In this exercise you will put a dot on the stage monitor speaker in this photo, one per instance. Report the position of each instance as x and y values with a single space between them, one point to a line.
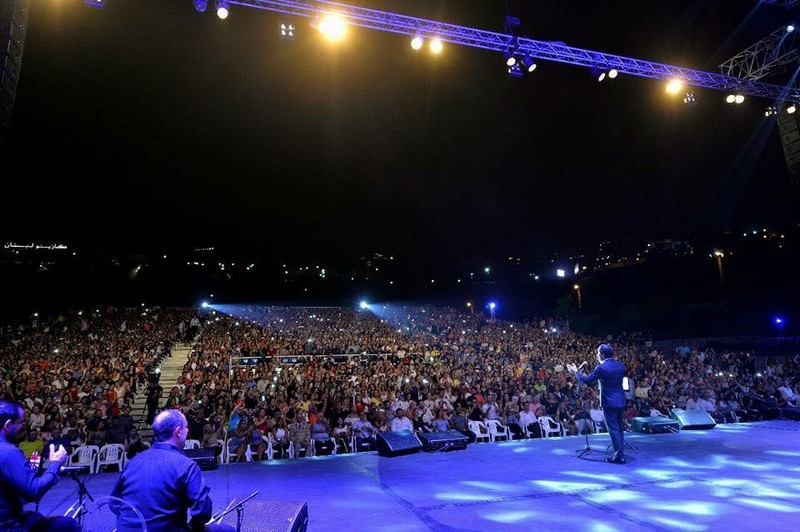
654 425
693 419
271 516
206 458
448 440
397 443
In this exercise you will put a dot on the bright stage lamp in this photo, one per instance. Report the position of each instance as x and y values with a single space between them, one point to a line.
739 98
417 42
201 5
223 9
730 98
363 305
674 86
791 108
333 26
436 46
613 73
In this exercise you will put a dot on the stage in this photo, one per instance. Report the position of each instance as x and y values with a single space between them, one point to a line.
733 477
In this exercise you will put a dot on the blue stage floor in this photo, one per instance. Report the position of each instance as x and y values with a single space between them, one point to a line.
733 477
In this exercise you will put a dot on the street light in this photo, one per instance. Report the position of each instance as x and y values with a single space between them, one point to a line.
577 289
718 255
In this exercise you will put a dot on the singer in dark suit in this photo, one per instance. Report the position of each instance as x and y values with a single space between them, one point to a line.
610 373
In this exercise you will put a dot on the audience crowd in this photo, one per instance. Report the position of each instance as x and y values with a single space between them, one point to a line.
275 377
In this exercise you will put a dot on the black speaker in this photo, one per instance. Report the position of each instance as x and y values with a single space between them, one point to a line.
271 516
693 419
206 458
654 425
448 440
397 443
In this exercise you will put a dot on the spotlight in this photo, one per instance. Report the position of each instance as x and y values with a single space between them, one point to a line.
333 26
613 73
771 111
739 98
674 86
730 98
436 46
598 73
689 99
515 70
287 31
223 8
791 108
204 304
530 64
201 5
790 28
363 305
417 42
511 60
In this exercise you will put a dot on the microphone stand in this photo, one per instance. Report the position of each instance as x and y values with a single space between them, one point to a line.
83 494
239 507
587 449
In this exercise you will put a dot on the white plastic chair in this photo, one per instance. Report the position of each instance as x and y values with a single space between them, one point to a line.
85 456
497 430
111 454
192 444
480 430
550 426
308 449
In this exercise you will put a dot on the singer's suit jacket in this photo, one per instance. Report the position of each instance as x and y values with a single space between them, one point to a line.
610 373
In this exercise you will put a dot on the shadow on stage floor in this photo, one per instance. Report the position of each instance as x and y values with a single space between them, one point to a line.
733 477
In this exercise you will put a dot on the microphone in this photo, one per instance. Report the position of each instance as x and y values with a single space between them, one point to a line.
583 365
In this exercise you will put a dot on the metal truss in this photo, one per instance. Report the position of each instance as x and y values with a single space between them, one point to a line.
13 25
765 57
501 42
788 4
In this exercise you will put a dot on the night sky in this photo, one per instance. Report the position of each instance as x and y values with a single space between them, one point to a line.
148 125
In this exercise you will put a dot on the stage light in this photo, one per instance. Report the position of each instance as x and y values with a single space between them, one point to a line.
597 73
674 86
730 98
790 28
97 4
333 26
201 5
771 111
287 31
223 9
739 98
530 64
689 98
363 305
204 304
417 42
510 59
436 46
613 73
791 108
515 71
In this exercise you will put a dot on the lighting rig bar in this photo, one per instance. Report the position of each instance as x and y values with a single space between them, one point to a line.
501 42
768 55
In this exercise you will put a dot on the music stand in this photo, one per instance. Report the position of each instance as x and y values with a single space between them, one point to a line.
217 518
